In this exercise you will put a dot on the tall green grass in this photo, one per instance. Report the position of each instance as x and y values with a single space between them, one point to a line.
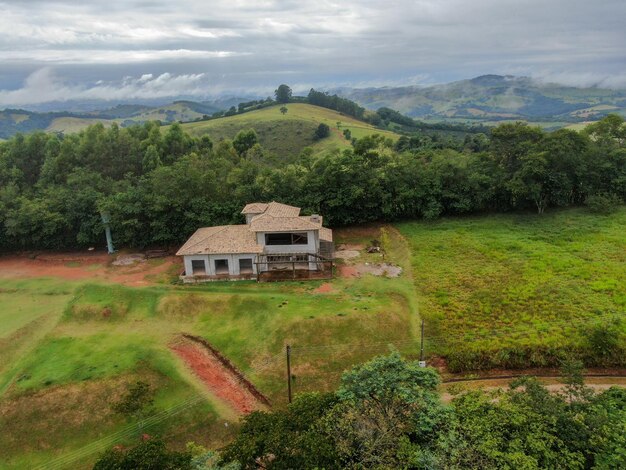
518 290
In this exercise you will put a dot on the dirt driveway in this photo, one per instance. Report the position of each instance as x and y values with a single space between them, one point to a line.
88 266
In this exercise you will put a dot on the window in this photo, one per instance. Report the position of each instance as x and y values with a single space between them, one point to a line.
299 238
198 267
286 238
245 266
221 266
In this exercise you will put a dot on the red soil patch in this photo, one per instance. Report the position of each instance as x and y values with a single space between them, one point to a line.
348 271
83 266
324 288
216 376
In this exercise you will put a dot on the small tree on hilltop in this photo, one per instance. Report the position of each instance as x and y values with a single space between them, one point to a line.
283 94
283 109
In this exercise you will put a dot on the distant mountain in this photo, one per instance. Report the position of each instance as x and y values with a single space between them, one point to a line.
493 98
13 121
488 99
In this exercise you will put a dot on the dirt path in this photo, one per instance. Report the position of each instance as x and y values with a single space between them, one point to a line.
83 266
553 384
219 376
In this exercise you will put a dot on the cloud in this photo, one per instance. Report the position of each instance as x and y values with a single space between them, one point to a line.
95 56
43 86
255 44
583 79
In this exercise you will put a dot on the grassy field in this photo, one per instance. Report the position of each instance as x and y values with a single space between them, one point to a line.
502 290
517 290
286 135
69 125
82 342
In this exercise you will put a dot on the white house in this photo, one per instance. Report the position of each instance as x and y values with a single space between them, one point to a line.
275 242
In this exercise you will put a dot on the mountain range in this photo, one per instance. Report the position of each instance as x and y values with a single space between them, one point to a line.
494 98
488 99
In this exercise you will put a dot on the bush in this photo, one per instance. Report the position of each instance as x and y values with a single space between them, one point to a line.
322 131
150 454
603 341
603 203
138 397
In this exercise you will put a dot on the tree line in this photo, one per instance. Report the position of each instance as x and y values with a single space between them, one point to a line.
160 186
388 413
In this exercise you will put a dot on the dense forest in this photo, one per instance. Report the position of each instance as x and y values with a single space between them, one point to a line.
159 186
388 414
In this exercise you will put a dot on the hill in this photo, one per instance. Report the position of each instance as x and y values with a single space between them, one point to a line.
13 121
496 98
288 134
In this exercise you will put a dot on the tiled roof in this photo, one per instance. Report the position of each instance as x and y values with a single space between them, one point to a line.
254 208
272 217
277 209
274 208
326 234
221 239
269 223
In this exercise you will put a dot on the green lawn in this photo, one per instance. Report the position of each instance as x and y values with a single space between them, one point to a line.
517 290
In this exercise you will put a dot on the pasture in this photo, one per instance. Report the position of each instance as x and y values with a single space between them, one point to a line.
500 291
286 135
518 290
99 336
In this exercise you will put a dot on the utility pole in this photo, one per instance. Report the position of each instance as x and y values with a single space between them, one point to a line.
422 363
289 372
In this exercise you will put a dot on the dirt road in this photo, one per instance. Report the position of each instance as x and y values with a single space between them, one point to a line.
84 266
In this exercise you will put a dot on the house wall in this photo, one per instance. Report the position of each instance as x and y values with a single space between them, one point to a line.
249 217
187 259
209 260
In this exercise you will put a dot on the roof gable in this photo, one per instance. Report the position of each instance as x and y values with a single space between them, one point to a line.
274 208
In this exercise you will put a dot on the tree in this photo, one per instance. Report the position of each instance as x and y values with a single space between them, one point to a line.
283 94
285 439
245 140
387 408
151 159
322 131
149 454
283 110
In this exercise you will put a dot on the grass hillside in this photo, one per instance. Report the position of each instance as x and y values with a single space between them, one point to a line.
68 349
288 134
502 290
518 290
69 125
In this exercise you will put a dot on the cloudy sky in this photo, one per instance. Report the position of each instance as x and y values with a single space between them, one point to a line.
132 50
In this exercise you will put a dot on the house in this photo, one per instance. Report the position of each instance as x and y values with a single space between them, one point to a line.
276 242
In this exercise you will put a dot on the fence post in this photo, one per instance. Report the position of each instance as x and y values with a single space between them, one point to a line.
422 363
289 373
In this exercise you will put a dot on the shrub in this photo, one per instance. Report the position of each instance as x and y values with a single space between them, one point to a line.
603 341
138 397
150 454
603 203
322 131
